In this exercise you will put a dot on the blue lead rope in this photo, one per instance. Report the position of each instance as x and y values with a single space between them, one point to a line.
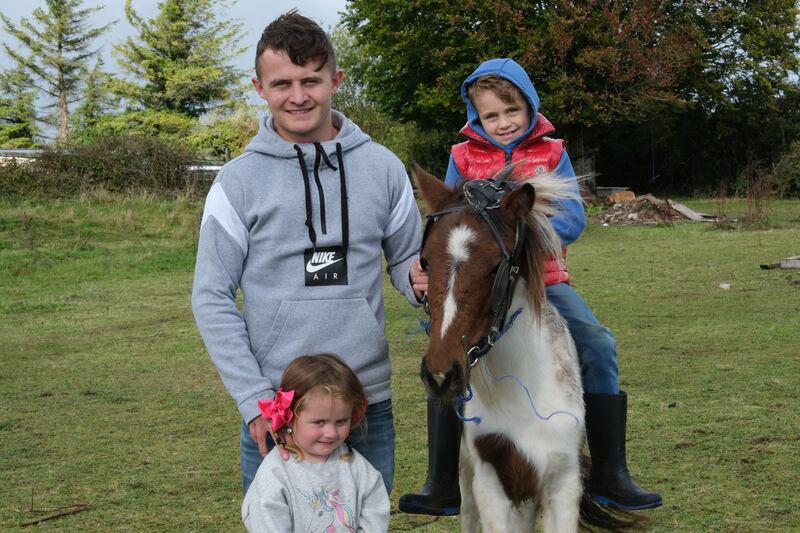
530 397
509 323
461 400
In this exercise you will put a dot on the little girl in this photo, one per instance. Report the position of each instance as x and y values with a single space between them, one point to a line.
328 487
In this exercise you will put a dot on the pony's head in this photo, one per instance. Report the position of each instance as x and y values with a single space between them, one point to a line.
477 240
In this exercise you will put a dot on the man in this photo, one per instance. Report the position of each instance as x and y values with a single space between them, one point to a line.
306 256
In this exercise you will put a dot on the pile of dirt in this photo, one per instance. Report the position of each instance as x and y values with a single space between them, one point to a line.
642 210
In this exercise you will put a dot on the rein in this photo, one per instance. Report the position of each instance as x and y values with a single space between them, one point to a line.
484 197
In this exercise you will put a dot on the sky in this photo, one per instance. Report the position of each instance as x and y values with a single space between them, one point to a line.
253 14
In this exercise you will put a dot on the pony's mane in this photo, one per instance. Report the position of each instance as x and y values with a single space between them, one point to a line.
541 240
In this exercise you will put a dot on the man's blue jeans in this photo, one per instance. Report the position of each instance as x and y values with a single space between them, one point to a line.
597 347
374 440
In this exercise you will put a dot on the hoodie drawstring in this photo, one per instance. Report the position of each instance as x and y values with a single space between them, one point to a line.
318 152
345 214
321 155
312 235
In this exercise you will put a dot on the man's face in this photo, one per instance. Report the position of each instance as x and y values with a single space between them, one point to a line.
503 122
299 97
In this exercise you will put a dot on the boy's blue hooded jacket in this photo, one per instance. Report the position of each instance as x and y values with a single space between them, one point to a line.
570 222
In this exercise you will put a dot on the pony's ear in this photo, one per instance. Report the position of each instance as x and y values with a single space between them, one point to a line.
435 193
516 205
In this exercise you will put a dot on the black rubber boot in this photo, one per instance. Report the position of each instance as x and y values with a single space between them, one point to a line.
440 495
610 482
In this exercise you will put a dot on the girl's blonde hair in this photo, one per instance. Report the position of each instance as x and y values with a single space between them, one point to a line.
326 374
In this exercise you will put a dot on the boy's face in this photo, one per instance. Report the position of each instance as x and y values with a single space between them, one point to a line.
501 121
299 97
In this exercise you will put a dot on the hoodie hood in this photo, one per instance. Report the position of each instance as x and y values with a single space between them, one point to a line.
268 142
512 71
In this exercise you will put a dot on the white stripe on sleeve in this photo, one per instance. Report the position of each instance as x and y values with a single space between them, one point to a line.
400 212
219 207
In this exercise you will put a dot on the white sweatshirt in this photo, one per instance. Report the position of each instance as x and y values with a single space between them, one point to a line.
339 495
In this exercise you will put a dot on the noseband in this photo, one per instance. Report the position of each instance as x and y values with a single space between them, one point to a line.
484 197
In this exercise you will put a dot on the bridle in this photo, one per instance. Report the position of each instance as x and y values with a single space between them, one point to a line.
484 197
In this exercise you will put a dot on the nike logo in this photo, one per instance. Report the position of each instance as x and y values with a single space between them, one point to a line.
321 260
313 268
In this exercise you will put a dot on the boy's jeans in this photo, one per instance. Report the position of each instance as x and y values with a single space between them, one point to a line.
597 348
377 447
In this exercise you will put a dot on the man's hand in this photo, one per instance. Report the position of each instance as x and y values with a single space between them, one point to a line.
419 279
259 427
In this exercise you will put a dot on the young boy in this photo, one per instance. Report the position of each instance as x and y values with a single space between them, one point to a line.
504 126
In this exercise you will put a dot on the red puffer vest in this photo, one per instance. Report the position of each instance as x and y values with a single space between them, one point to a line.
537 154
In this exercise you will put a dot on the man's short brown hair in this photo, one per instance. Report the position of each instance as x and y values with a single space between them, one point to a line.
301 38
504 89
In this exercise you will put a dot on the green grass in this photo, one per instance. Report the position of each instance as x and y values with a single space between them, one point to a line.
107 396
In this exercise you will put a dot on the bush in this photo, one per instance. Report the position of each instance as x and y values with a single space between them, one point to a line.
224 134
114 163
431 150
170 126
786 173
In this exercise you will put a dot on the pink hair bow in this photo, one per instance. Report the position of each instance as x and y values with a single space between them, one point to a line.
279 410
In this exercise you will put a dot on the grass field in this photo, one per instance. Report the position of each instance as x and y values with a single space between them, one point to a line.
108 399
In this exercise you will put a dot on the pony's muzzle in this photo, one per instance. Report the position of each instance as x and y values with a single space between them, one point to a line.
446 385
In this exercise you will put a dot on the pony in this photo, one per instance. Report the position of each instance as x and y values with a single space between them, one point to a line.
504 355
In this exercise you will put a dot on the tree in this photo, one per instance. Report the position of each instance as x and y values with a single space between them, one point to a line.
749 70
224 133
96 103
168 126
58 43
405 139
666 93
183 57
592 61
749 49
18 127
740 104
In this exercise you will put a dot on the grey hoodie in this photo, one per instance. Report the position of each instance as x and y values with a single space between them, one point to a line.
261 214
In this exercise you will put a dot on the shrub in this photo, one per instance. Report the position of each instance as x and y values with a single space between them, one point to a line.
170 126
431 150
224 134
114 163
786 173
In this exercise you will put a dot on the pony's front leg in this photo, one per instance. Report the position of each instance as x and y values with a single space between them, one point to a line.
526 516
561 497
470 517
497 513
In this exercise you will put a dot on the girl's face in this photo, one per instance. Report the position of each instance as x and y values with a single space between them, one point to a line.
322 425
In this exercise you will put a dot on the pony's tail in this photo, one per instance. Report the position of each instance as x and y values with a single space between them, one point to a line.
606 518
